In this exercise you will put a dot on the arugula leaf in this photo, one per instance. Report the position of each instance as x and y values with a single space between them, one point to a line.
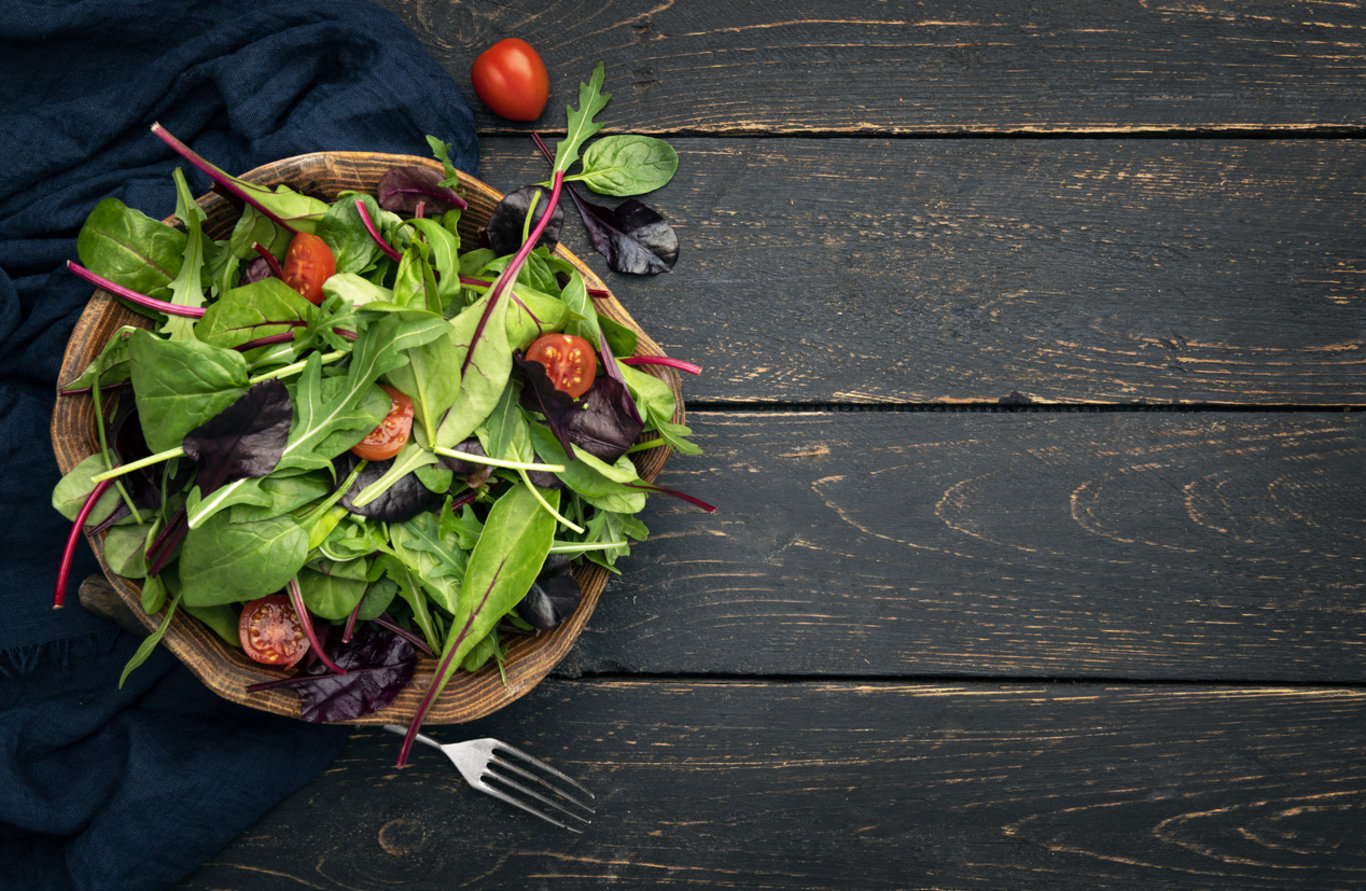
187 288
581 124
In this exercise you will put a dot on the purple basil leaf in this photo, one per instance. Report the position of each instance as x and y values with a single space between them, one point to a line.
378 665
402 501
508 221
553 596
539 394
256 270
402 189
608 422
633 238
246 439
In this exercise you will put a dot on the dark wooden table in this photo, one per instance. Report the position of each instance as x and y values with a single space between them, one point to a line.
1033 348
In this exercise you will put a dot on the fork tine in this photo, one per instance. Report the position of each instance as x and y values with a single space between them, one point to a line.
531 793
537 762
503 796
508 766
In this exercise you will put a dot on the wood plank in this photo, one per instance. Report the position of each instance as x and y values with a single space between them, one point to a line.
1144 545
873 786
933 66
1052 271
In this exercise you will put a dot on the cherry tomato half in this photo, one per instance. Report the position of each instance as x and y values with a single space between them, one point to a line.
308 263
511 80
271 631
568 359
391 433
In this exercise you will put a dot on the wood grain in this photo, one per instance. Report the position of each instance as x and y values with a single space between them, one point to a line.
1046 271
826 785
935 66
1144 545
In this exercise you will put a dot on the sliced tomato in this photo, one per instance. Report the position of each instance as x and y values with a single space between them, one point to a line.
308 263
569 360
271 632
390 434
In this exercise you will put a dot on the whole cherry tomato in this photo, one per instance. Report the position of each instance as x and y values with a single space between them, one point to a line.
511 80
308 263
569 361
271 632
391 433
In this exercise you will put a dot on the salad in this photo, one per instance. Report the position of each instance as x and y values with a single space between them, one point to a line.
346 438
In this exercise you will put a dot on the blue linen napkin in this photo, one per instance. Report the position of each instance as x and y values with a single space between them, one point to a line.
102 788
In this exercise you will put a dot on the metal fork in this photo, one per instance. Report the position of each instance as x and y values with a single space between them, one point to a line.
482 760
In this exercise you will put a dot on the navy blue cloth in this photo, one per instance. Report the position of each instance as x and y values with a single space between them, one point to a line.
102 788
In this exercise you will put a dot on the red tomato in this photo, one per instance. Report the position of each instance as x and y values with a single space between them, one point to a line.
271 631
391 433
569 360
511 80
308 263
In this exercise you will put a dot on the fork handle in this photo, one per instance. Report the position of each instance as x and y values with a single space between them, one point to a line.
420 737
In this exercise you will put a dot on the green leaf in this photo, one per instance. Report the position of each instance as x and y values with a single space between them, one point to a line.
224 562
72 490
581 124
330 596
625 165
179 385
486 374
505 561
187 288
259 309
130 248
149 643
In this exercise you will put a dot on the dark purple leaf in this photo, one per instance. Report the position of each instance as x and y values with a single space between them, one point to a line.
402 501
255 271
633 238
402 189
508 221
378 665
244 440
540 394
608 422
553 596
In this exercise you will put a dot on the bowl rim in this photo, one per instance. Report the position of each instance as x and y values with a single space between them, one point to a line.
226 670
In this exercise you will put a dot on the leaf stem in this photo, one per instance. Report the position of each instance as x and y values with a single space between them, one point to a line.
139 464
496 462
59 595
220 178
296 597
171 309
388 249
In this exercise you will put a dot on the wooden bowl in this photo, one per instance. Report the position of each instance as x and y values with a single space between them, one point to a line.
225 669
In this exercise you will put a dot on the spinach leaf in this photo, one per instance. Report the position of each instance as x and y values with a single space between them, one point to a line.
255 310
624 165
180 384
344 232
224 562
330 596
130 248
